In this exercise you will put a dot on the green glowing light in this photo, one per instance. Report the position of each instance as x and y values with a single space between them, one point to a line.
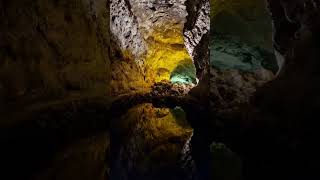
184 73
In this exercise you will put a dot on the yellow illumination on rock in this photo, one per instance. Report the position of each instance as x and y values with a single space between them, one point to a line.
166 51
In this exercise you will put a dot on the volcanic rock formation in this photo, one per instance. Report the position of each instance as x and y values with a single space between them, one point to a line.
54 72
275 135
152 39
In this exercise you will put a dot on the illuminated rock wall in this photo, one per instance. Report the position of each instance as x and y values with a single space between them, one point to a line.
156 47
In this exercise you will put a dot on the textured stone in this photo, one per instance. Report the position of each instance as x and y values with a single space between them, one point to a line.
275 133
241 58
196 34
148 41
51 53
247 19
51 49
229 52
124 28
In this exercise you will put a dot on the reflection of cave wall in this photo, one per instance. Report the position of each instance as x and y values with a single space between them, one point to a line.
150 141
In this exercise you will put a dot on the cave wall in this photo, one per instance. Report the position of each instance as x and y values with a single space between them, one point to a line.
165 34
147 44
281 119
53 49
54 54
247 19
296 26
196 35
241 53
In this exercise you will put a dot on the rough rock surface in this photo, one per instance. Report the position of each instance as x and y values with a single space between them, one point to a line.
247 19
300 51
277 132
229 52
54 54
231 89
241 58
155 46
53 49
124 29
196 34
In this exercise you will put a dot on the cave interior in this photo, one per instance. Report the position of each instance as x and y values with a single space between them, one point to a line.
159 89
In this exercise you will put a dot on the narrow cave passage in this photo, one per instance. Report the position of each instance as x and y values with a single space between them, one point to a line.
152 75
150 47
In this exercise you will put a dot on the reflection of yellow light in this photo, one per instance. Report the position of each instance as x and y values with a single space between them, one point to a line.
156 123
166 50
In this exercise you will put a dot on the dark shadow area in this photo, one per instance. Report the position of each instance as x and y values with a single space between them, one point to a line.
26 149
